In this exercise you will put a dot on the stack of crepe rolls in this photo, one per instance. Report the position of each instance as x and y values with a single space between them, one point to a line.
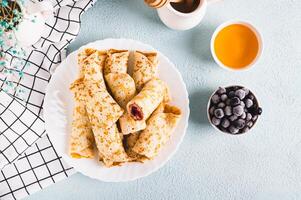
139 105
101 109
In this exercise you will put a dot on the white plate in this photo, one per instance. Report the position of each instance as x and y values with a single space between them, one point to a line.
58 108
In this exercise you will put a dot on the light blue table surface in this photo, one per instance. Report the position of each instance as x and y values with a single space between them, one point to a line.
264 164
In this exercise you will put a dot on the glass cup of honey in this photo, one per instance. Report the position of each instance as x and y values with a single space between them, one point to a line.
236 45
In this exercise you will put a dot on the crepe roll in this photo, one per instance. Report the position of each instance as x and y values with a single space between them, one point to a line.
148 99
109 145
93 67
122 87
129 125
102 109
130 141
158 131
81 139
84 54
117 61
145 68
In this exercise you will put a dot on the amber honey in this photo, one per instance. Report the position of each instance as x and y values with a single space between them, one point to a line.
236 46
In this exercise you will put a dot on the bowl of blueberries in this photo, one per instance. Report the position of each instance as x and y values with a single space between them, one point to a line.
233 110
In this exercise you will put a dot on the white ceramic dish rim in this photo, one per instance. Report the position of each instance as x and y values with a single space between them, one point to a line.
185 120
208 114
242 22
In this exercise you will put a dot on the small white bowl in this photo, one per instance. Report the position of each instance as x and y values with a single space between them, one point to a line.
245 23
208 107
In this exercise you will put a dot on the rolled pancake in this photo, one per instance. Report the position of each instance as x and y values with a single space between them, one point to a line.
145 68
92 68
130 141
159 128
148 99
117 61
81 56
109 145
129 125
103 111
122 87
81 138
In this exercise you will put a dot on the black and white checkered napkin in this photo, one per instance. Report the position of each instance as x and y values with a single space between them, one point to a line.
28 160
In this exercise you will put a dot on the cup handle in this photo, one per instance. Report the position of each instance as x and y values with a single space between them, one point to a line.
213 1
44 7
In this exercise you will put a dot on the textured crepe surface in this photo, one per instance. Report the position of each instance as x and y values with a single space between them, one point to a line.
122 87
129 125
145 68
159 128
109 145
103 111
81 139
116 61
149 98
130 141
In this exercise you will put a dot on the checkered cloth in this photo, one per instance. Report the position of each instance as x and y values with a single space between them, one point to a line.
28 160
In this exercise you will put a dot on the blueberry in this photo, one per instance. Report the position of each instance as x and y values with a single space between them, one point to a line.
234 101
233 118
221 90
246 129
243 116
240 94
215 99
228 101
215 121
246 90
221 105
242 104
228 110
238 110
250 96
225 123
211 110
239 123
248 103
233 130
219 113
254 118
250 124
231 94
249 116
224 97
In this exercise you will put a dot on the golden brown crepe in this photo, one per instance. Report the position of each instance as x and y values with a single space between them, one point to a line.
129 125
109 145
116 61
102 110
130 141
122 87
148 99
84 54
145 68
81 140
159 128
